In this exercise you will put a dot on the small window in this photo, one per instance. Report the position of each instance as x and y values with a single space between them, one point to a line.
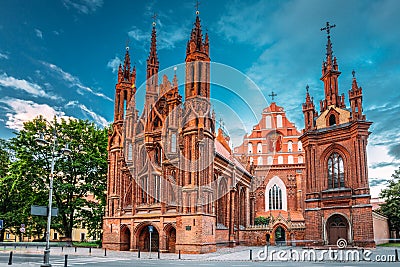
7 235
251 160
250 148
300 159
279 121
130 152
290 146
83 236
290 159
259 148
299 146
270 160
280 160
259 161
55 236
268 123
332 120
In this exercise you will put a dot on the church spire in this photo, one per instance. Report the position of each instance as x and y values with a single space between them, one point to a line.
355 98
152 68
127 65
330 74
309 111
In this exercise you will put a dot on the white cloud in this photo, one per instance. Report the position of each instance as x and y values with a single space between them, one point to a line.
84 6
4 56
99 120
74 81
21 111
114 64
39 33
23 85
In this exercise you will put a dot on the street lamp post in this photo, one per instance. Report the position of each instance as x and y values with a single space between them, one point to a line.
54 154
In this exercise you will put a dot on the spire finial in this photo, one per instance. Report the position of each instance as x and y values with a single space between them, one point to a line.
307 87
154 17
329 44
197 7
272 95
353 73
127 44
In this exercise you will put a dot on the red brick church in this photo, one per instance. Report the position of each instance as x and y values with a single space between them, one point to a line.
171 172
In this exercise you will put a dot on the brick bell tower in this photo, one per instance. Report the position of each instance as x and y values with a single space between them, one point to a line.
196 225
337 204
118 176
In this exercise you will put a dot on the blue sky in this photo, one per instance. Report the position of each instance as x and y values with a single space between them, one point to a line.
60 57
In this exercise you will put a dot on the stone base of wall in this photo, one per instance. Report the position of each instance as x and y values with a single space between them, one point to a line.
195 248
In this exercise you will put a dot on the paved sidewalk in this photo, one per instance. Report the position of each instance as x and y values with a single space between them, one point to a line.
239 253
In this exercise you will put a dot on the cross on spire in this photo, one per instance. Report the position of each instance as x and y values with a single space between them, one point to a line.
197 7
154 17
272 95
328 28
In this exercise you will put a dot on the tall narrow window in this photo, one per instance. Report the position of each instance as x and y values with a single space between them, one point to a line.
268 123
335 171
157 188
275 198
290 159
173 143
280 160
250 148
300 159
332 120
270 160
259 160
259 148
290 146
279 121
130 152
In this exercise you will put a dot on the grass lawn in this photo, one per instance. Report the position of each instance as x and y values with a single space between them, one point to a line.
390 245
86 244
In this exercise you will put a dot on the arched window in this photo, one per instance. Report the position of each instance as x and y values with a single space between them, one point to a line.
299 146
275 198
290 159
290 146
280 160
259 148
259 160
250 148
332 120
335 171
300 159
173 143
268 123
279 121
270 160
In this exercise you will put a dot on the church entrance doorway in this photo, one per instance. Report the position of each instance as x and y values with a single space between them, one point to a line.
144 239
280 236
337 227
171 240
125 239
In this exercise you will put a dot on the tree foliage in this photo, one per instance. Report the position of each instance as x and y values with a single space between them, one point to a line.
79 181
261 220
391 207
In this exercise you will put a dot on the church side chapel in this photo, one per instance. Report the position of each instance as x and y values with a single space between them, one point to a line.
172 173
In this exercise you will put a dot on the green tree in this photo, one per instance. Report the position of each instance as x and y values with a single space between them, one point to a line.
261 220
79 179
391 207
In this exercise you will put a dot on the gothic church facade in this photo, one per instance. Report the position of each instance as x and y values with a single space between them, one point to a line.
172 173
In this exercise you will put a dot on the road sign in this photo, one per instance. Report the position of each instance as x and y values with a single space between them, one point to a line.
150 228
1 224
42 211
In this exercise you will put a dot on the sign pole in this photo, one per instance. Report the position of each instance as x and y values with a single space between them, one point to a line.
150 232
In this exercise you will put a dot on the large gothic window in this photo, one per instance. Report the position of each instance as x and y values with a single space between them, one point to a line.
275 198
335 171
